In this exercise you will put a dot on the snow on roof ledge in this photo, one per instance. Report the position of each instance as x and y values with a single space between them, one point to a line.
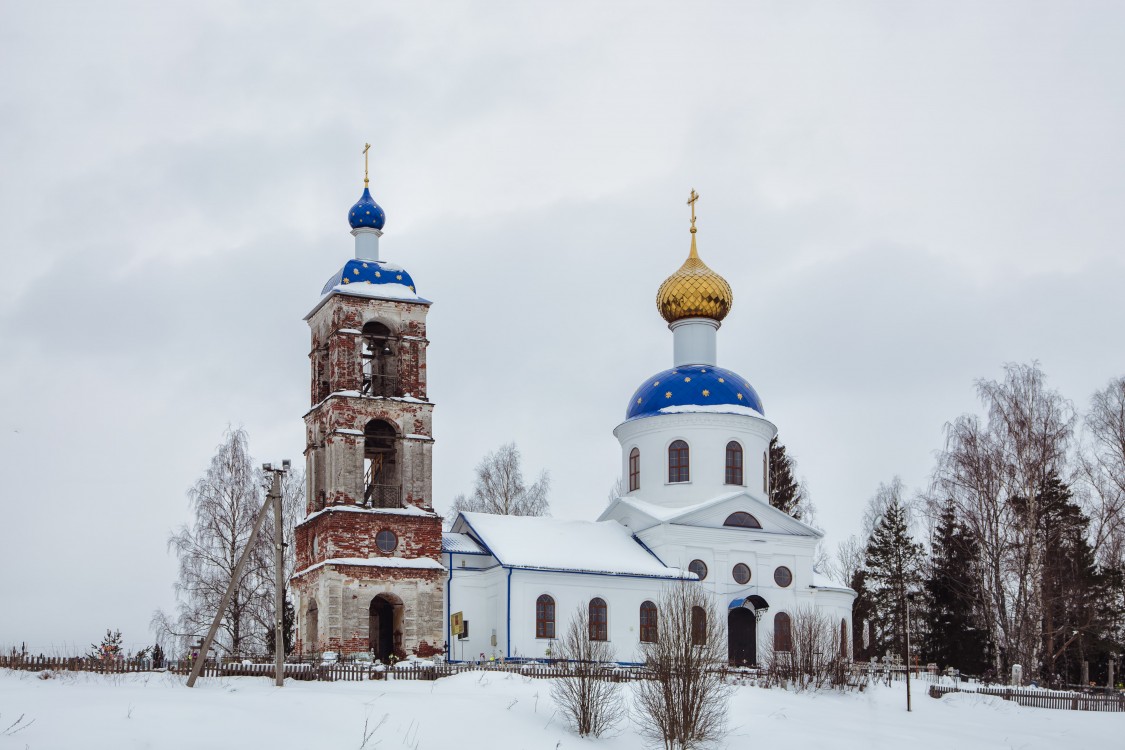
410 510
418 563
713 409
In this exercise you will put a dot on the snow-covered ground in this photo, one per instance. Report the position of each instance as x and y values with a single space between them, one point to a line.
492 710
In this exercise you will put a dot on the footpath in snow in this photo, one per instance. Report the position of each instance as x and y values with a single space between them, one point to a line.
492 710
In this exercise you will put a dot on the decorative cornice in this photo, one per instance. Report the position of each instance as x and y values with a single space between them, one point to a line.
662 422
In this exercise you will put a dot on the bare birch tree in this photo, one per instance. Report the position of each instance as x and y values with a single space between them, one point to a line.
684 703
591 703
1102 471
984 468
500 488
225 502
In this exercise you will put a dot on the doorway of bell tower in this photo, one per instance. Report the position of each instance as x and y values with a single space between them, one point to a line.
385 626
742 637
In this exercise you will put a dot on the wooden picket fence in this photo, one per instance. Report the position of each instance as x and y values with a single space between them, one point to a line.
312 671
1033 698
75 664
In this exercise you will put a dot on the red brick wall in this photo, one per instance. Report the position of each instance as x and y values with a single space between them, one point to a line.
352 534
343 356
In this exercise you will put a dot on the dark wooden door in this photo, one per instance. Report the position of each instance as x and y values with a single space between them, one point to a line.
381 628
742 632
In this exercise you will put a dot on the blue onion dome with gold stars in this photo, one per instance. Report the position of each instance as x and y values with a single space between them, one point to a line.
695 389
373 278
367 213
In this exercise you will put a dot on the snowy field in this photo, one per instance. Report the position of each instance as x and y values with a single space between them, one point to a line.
492 710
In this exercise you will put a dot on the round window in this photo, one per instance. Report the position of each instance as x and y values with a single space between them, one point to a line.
699 568
386 540
742 573
783 576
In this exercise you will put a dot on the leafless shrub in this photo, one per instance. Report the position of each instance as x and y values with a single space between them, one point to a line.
592 704
809 656
684 703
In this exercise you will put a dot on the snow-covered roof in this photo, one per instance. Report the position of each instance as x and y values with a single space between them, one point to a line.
821 581
460 544
415 563
684 514
554 544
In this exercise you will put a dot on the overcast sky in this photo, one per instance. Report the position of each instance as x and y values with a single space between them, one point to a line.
904 196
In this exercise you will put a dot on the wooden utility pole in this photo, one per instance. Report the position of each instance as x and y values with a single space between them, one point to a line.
907 629
273 503
278 580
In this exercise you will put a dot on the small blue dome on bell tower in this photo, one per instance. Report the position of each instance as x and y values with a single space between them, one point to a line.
366 213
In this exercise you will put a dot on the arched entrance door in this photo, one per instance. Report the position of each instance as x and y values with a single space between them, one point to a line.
742 637
384 626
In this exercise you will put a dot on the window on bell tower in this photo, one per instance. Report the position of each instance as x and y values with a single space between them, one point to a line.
379 362
380 471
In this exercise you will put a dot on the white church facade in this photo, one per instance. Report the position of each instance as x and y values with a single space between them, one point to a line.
376 573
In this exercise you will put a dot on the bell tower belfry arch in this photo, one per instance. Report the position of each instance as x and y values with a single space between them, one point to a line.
370 529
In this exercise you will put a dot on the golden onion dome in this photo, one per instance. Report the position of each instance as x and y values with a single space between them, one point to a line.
694 291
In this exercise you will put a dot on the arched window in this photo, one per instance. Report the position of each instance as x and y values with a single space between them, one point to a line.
766 473
742 520
312 627
648 622
678 462
544 617
734 463
634 470
380 471
599 621
782 633
843 639
379 365
698 626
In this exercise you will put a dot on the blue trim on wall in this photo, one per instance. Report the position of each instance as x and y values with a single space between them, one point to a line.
599 573
508 635
449 611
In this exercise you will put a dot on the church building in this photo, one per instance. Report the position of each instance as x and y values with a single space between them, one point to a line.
375 572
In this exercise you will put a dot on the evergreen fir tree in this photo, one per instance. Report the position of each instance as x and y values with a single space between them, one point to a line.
861 617
1076 597
288 621
786 493
109 648
953 640
893 570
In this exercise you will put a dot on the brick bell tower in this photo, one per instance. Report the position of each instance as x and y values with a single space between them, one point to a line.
369 576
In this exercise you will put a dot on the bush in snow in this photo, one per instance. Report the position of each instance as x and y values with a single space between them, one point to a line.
684 702
591 703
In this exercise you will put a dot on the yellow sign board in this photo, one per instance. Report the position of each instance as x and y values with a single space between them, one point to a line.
457 623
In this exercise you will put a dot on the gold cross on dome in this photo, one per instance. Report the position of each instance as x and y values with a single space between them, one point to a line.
366 148
691 202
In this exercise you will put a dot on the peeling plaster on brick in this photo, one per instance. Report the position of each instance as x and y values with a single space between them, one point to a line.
334 459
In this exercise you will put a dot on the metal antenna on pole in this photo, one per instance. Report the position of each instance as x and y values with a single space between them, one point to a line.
273 503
